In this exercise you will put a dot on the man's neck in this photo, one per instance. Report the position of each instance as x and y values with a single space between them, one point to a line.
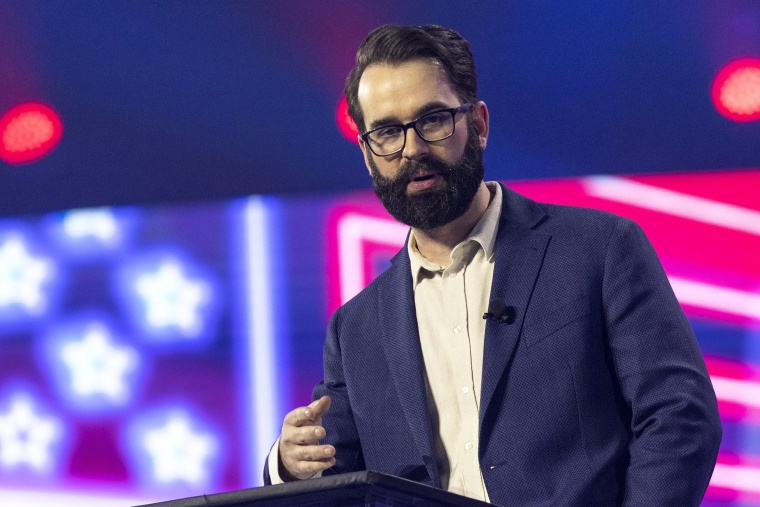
436 244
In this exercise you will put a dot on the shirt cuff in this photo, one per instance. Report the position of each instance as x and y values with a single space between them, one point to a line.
273 462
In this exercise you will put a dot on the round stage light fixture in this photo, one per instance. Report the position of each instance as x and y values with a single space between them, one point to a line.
28 132
736 90
346 124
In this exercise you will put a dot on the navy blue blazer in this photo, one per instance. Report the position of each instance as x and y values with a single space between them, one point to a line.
596 394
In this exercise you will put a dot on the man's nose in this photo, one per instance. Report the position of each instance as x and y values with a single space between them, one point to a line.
415 147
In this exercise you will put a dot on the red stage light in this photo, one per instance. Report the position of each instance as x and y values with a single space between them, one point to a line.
346 124
736 90
28 132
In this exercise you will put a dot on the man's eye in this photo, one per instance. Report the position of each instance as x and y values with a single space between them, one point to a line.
433 119
387 132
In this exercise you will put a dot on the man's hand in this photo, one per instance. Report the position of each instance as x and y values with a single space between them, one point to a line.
301 456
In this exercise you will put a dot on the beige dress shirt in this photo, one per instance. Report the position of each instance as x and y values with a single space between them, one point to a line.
450 303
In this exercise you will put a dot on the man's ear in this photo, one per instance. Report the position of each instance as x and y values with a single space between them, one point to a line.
480 122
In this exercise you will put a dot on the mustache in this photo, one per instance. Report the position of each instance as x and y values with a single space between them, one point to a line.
411 168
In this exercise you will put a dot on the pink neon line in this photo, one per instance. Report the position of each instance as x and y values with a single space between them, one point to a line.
736 477
732 369
736 386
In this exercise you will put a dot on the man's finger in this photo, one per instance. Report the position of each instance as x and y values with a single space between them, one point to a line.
303 416
313 452
301 435
306 469
320 406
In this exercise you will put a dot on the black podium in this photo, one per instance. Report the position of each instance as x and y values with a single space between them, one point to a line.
346 490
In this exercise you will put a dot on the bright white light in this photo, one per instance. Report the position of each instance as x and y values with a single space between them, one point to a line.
262 358
26 438
171 299
736 477
714 297
21 498
178 453
96 223
743 392
98 366
674 203
22 276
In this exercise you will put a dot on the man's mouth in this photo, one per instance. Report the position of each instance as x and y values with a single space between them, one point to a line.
422 176
422 181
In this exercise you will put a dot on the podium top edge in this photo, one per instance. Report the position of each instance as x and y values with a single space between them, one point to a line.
348 481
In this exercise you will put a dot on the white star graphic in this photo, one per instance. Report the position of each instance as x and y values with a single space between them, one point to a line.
98 366
98 223
26 437
22 276
171 299
178 453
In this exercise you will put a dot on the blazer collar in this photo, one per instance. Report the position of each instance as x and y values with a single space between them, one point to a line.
403 354
520 249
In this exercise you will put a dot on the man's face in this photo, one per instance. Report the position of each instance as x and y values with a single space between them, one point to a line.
426 185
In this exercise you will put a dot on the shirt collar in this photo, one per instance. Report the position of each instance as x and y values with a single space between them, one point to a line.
484 234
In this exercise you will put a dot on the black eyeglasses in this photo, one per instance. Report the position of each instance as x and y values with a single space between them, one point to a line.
431 127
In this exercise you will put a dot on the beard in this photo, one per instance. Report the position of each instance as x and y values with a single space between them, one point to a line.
433 207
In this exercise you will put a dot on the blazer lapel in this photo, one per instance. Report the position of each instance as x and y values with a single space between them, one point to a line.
519 254
404 356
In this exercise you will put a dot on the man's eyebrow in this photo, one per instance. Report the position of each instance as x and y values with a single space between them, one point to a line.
394 120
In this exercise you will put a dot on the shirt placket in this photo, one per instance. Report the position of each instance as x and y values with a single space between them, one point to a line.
467 438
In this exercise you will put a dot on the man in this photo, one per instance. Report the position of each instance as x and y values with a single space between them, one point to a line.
584 387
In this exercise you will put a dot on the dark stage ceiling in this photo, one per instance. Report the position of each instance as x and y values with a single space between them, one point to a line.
186 100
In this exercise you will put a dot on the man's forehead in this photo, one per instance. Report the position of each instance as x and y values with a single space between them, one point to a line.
397 89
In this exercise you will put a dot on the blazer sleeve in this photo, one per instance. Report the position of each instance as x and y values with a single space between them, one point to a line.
675 426
340 429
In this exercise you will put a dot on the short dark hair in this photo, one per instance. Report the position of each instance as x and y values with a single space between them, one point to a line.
393 44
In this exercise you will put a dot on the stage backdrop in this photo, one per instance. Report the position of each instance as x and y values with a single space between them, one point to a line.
149 353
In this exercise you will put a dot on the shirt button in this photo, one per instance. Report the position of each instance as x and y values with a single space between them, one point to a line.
465 390
468 446
457 330
452 275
